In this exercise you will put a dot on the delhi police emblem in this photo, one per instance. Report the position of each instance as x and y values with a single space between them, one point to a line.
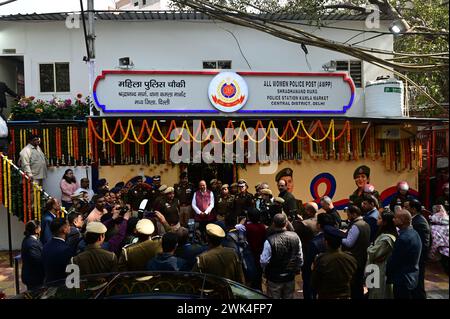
228 92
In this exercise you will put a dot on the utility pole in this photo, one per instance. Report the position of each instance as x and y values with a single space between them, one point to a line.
91 47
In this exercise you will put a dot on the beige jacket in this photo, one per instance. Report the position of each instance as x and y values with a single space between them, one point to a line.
33 162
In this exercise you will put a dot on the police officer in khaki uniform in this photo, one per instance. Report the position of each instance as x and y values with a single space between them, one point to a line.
171 208
184 192
218 260
154 191
234 189
94 259
225 203
159 199
243 201
265 205
258 196
138 192
134 257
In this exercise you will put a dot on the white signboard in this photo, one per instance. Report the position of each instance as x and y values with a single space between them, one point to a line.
214 93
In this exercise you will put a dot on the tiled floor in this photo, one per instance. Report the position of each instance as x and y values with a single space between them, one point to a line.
436 283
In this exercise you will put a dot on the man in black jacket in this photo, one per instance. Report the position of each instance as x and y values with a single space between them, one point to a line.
421 226
3 90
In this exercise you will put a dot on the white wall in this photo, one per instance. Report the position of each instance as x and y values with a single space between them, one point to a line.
17 229
54 176
175 45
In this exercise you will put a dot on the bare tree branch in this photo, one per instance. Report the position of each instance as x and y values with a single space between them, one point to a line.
297 35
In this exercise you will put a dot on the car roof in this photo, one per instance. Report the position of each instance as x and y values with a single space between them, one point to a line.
146 285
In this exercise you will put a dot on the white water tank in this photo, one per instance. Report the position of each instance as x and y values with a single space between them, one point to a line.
384 98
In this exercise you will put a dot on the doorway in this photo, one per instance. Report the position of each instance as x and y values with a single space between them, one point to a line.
12 74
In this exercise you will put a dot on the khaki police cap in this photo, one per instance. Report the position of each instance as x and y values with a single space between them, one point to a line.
215 230
266 191
213 181
225 186
145 227
279 200
96 228
234 185
162 188
242 182
169 190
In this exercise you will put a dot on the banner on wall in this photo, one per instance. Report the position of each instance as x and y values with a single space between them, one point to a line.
224 93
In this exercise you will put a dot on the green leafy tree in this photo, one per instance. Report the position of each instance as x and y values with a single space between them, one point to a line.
420 54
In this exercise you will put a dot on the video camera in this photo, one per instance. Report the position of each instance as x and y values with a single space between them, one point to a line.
123 210
192 227
142 212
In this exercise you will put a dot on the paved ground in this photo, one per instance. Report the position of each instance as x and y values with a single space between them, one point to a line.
436 282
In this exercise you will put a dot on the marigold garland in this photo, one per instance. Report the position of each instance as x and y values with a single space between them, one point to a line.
20 196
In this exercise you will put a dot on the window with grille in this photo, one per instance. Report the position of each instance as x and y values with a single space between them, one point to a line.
220 64
54 77
354 68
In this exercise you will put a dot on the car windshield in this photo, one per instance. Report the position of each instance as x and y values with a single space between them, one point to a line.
147 285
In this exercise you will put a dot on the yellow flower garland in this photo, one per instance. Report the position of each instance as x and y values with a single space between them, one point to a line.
107 136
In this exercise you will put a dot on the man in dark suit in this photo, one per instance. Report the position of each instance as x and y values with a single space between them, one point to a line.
421 226
31 253
57 253
51 209
402 269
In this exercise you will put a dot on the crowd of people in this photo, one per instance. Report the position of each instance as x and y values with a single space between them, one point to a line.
263 240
